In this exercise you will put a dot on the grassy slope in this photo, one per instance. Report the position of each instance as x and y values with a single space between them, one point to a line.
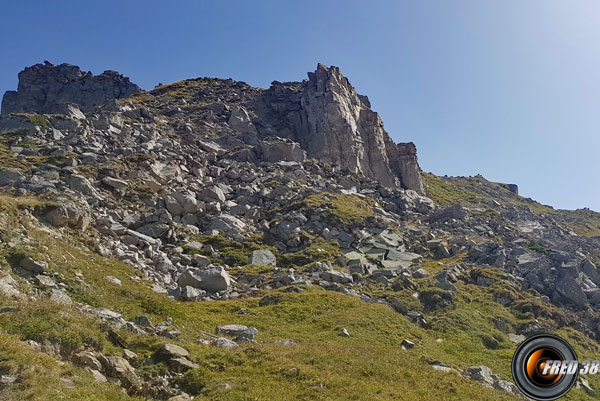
477 191
370 365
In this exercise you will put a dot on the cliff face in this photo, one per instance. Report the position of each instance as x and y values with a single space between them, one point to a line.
46 89
334 123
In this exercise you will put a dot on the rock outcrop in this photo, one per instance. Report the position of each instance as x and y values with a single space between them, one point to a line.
335 124
47 89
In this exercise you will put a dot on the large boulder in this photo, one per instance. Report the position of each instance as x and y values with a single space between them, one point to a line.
11 177
32 265
212 194
82 185
67 214
228 224
276 149
239 120
119 368
211 280
263 257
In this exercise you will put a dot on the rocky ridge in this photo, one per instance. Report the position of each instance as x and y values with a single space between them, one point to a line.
48 89
214 190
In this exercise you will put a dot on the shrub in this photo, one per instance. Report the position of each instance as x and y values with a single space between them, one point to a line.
194 381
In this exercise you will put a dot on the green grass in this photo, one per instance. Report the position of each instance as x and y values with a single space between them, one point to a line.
479 192
349 210
40 119
39 377
322 365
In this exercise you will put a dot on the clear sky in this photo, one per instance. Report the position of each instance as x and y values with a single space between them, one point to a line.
509 89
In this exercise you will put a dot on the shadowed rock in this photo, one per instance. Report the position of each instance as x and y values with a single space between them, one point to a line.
47 89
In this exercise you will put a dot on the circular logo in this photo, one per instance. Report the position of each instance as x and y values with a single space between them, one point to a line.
544 367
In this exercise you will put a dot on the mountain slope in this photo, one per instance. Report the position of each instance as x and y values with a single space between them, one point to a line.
134 233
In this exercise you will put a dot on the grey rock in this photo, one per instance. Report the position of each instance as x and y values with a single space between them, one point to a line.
263 257
224 343
144 321
115 183
233 330
336 276
35 266
420 273
119 368
240 120
79 183
200 260
482 374
275 149
113 280
46 89
60 297
87 359
67 214
212 280
169 351
9 286
181 364
10 177
212 194
335 124
228 224
585 385
572 291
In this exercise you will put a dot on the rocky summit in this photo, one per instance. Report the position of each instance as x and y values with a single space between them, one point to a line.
210 239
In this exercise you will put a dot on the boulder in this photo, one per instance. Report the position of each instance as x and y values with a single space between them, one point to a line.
11 177
87 359
212 194
241 332
115 183
263 257
228 224
82 185
181 364
119 368
67 214
482 374
169 351
34 266
239 120
9 286
211 280
224 343
336 276
276 149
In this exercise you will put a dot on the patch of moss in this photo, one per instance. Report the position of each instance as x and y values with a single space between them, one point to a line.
44 321
40 120
540 249
349 210
193 381
316 252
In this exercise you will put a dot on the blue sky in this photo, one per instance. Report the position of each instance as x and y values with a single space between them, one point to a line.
508 89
